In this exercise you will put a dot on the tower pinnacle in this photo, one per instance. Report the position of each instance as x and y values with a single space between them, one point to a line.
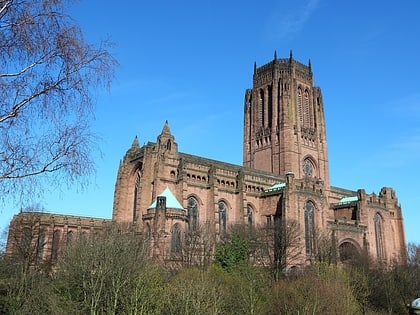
166 129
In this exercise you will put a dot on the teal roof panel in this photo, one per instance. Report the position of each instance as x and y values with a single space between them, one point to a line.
171 201
276 187
346 200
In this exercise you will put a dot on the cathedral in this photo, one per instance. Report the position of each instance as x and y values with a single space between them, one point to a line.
169 196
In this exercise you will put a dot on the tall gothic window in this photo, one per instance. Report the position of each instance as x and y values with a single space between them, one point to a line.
261 108
176 240
148 239
280 235
307 113
70 237
222 217
249 214
309 227
377 219
40 246
136 195
308 168
192 208
55 246
270 106
299 106
25 242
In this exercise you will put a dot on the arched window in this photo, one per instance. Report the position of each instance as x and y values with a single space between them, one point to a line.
176 240
270 106
55 246
148 239
25 242
307 114
309 227
40 246
299 106
308 168
136 195
348 253
280 235
222 216
249 214
261 108
377 219
70 237
192 208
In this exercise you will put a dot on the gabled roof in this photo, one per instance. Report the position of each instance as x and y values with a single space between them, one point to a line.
171 201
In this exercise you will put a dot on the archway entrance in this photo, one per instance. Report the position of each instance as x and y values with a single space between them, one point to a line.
348 252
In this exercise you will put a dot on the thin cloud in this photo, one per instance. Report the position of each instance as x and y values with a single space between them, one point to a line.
288 22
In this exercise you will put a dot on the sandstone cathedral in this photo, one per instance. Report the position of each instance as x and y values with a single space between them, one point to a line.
175 200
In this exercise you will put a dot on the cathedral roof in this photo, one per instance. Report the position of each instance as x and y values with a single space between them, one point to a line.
171 201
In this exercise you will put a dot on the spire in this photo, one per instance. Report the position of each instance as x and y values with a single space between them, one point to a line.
309 65
166 141
291 55
166 129
135 143
255 67
275 55
133 150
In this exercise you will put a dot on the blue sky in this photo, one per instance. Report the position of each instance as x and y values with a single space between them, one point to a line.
189 62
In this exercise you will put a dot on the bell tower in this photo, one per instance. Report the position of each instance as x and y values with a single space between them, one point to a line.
284 125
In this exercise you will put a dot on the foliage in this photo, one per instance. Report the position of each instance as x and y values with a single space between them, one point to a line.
319 290
198 248
111 273
232 252
215 291
21 288
47 75
198 291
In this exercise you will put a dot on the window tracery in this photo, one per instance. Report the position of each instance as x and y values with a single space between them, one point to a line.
379 236
192 207
40 246
55 246
222 216
299 106
309 227
308 168
307 111
176 240
249 214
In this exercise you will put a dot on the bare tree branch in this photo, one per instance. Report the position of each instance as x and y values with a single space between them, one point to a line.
47 76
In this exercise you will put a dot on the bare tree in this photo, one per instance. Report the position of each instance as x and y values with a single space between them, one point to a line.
413 254
109 273
47 76
276 246
325 250
198 249
23 271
